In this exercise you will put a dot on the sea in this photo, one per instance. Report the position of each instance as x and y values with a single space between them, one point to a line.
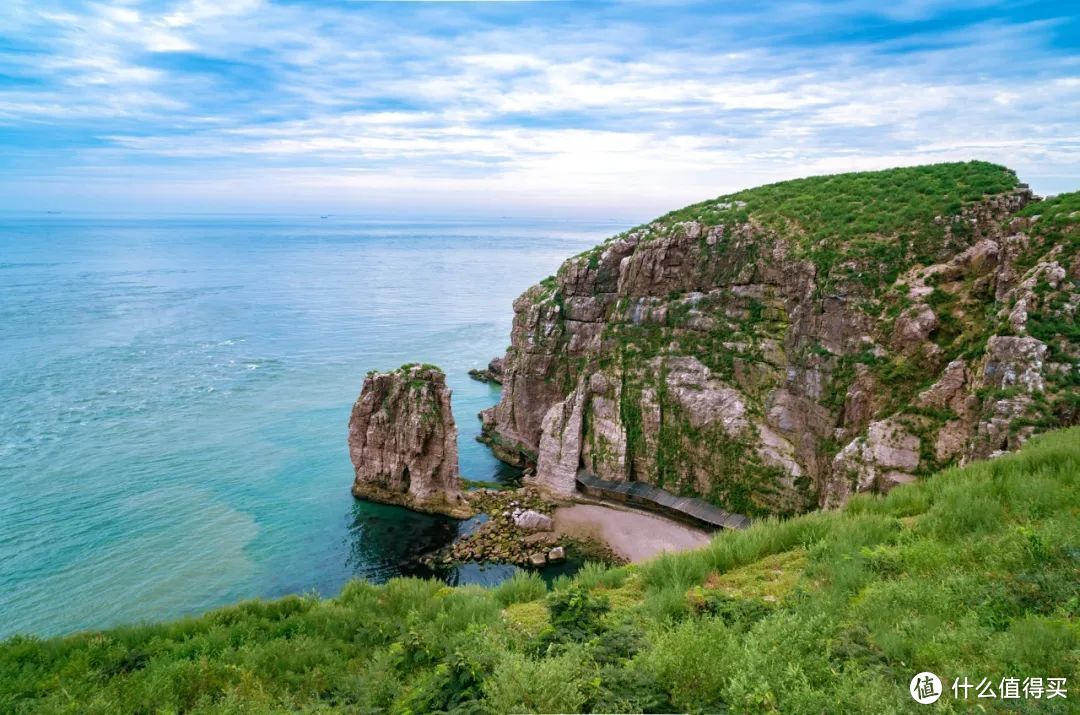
174 396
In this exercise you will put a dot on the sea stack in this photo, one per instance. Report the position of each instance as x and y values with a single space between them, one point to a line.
403 441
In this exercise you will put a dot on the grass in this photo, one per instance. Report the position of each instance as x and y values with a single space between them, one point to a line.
879 218
859 203
971 572
862 226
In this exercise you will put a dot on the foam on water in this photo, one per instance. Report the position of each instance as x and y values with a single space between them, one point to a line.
174 396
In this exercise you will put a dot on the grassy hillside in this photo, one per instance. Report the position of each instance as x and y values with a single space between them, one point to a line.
973 572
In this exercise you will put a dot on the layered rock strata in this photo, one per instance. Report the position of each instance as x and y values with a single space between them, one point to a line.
403 441
785 347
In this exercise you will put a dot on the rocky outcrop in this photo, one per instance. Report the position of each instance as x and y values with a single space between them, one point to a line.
760 352
492 373
403 441
560 446
888 455
519 530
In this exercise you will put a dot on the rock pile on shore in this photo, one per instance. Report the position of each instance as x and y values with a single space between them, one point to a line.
519 530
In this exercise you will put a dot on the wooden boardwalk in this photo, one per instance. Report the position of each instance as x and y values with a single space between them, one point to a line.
695 511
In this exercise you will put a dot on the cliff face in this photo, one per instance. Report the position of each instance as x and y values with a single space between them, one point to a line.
781 348
403 441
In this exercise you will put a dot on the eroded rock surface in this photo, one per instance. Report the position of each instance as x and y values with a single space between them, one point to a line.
403 441
738 351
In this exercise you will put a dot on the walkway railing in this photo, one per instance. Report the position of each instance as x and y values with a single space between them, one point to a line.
655 499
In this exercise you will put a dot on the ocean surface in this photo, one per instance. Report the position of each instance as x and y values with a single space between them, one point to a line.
174 395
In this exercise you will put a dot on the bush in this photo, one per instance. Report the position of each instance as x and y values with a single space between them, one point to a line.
522 587
972 571
540 685
575 615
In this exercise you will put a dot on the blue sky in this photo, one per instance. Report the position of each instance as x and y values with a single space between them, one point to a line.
581 109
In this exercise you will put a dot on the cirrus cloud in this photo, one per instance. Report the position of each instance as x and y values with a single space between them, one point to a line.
601 109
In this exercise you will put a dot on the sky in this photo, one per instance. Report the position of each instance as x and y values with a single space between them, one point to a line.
582 110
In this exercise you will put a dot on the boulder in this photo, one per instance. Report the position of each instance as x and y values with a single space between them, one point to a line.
914 326
892 447
530 520
493 372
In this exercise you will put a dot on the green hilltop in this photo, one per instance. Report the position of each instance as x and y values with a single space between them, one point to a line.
845 217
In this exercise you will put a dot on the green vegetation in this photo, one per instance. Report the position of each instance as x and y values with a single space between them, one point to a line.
861 227
972 572
407 367
850 205
881 219
1058 220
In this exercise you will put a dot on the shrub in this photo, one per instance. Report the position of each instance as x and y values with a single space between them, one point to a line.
523 586
546 685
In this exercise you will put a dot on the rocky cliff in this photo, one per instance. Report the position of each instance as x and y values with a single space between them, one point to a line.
403 441
780 348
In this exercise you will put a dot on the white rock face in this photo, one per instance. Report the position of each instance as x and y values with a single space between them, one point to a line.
854 470
1014 362
884 458
560 446
530 520
705 400
777 451
604 452
892 447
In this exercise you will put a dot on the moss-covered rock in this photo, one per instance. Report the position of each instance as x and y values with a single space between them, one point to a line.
769 350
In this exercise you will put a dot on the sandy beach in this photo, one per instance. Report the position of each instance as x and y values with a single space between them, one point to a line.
634 535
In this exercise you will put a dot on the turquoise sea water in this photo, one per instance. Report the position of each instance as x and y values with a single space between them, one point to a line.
174 397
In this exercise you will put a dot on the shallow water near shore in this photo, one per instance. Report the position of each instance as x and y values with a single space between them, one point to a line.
174 395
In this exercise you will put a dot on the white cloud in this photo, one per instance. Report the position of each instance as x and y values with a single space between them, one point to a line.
629 109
